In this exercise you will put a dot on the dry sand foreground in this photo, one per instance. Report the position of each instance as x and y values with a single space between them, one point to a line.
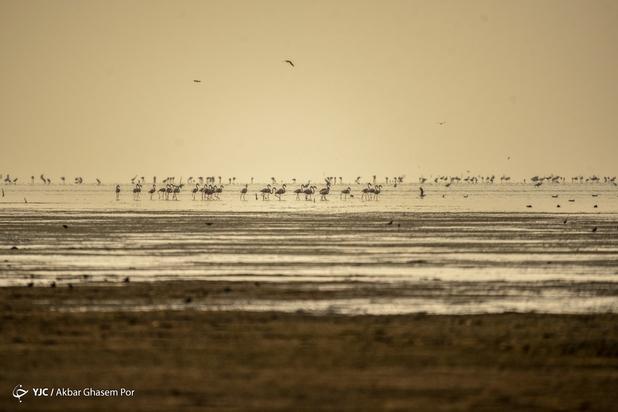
192 360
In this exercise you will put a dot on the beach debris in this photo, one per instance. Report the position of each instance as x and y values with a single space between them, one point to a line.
14 248
188 299
390 223
594 229
208 223
528 205
65 226
30 284
70 285
25 201
557 205
595 206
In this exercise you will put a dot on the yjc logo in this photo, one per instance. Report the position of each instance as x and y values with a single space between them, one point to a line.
18 392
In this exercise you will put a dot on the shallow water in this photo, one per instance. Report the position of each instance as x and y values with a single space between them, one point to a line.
484 236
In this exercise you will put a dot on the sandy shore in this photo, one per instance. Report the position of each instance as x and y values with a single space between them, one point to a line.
189 359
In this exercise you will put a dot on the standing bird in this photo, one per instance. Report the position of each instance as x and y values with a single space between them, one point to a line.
281 191
422 193
309 192
345 193
324 192
152 190
266 192
243 192
195 190
289 61
117 191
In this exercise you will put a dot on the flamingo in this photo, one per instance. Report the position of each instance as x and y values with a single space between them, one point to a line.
218 190
324 192
208 192
345 192
309 192
117 191
136 191
195 190
161 192
152 191
266 192
298 192
281 191
365 191
378 189
243 192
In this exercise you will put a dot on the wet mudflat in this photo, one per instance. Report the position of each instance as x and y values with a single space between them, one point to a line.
193 359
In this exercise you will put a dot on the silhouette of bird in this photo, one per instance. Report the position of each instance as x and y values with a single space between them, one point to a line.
280 191
289 61
441 123
197 81
390 223
594 229
422 192
243 192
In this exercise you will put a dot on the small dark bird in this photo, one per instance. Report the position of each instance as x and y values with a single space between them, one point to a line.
53 284
390 223
25 201
557 205
422 192
197 81
565 220
31 284
188 300
554 196
126 280
594 229
595 206
65 226
441 123
289 61
208 223
528 205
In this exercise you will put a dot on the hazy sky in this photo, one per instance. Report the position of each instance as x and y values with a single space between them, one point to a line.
106 88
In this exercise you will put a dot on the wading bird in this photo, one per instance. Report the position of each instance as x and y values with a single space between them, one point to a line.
280 191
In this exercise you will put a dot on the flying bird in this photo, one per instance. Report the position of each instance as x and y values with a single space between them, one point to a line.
289 61
441 123
197 81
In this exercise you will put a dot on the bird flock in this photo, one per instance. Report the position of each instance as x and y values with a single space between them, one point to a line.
309 191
